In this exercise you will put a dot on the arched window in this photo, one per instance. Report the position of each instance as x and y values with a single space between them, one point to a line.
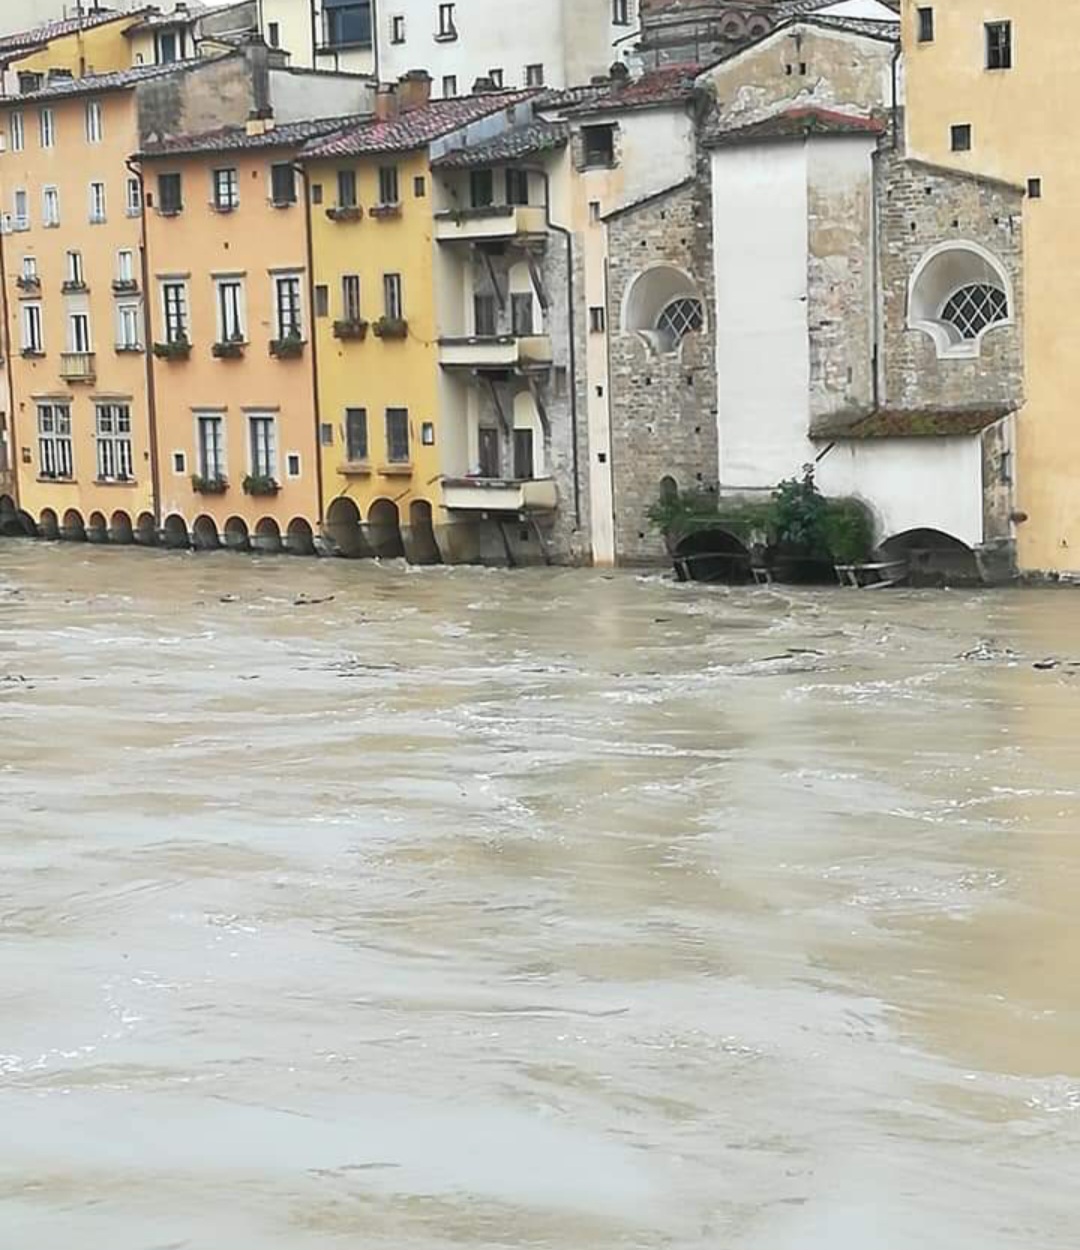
958 293
663 305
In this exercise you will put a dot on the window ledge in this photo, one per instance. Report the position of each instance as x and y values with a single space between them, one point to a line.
355 468
223 208
445 36
57 481
129 349
115 481
396 468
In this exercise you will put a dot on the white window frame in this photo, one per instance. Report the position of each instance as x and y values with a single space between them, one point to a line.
350 309
231 184
17 131
47 127
80 338
21 221
32 326
29 268
56 455
125 265
129 318
182 331
262 443
112 438
73 267
221 467
97 203
50 220
278 279
134 197
232 314
94 122
393 296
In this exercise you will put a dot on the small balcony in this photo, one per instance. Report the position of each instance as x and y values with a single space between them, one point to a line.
494 221
78 366
494 494
499 351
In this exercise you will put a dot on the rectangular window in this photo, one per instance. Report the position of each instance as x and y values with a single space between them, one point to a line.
926 24
1034 188
346 188
489 453
521 315
419 187
517 186
350 297
485 316
134 197
598 146
29 269
128 327
397 28
54 441
481 188
356 442
170 191
594 211
47 126
292 464
999 45
230 310
33 339
168 47
179 462
322 301
50 206
226 190
447 22
79 332
620 12
388 184
597 319
22 210
534 75
316 193
174 298
392 301
97 203
496 76
347 22
93 121
211 433
449 86
125 265
326 434
960 138
76 276
262 442
18 132
114 459
282 184
524 464
273 34
397 435
287 307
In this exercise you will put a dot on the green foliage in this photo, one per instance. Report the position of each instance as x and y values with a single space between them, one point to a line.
797 515
848 531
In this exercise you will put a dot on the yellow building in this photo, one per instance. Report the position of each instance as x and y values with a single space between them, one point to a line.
987 91
385 445
96 43
233 360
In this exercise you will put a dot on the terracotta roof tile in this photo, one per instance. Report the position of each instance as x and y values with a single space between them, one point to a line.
916 423
42 34
237 139
796 123
414 129
117 80
670 84
531 140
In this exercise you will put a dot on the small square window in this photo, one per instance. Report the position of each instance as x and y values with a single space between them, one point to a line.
179 462
292 464
926 24
326 434
598 146
449 86
534 75
999 45
496 76
597 319
594 211
961 138
1034 188
397 28
316 193
419 188
427 434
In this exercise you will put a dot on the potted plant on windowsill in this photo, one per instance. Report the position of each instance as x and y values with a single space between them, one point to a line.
176 349
125 286
260 484
209 485
354 328
228 349
382 212
287 348
390 328
31 353
345 212
32 283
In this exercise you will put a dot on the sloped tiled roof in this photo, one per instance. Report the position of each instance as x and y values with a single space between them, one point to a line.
795 123
917 423
413 129
670 84
237 139
117 80
38 35
531 140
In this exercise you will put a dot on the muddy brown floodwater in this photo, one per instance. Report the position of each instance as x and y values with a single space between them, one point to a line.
540 909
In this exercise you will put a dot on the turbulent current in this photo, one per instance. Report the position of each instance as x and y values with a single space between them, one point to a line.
376 907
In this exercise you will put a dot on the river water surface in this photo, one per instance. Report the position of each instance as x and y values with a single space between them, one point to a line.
358 906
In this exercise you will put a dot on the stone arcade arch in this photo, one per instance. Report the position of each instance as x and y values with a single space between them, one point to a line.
235 534
267 537
299 538
97 529
174 533
50 525
73 528
420 544
120 529
146 530
384 530
934 558
344 531
204 534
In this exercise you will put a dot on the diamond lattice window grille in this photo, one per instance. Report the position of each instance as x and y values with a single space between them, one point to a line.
974 307
679 318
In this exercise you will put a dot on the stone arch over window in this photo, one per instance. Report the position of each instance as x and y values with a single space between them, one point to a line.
663 305
958 293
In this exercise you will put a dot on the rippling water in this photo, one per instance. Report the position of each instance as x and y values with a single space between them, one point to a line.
379 907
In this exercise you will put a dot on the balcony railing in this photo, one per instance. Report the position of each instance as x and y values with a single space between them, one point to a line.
78 366
494 221
499 351
491 494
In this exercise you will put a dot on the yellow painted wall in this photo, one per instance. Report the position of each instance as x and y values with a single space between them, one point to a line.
1020 120
98 50
71 166
254 241
377 374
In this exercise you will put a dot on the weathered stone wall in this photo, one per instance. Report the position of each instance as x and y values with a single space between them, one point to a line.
921 207
663 406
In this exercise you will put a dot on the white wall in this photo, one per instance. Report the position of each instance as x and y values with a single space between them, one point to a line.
762 342
872 9
297 95
911 483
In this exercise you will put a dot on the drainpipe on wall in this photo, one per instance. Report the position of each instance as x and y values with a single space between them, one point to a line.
571 324
5 347
310 245
896 95
136 171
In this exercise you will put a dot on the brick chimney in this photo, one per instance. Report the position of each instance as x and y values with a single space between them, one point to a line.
387 105
414 90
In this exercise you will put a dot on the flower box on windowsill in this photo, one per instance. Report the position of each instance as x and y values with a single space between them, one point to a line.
179 350
289 348
170 212
127 349
356 330
74 288
347 212
257 484
381 212
209 485
233 349
223 208
32 353
125 286
390 328
121 479
28 284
